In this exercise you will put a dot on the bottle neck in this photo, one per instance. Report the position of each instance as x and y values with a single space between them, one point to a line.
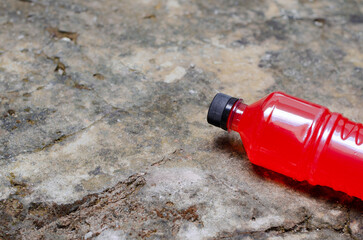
235 116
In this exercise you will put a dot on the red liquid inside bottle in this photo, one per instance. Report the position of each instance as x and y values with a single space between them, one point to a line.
296 138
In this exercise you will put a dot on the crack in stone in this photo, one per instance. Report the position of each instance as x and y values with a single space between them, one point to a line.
224 184
167 158
42 217
63 137
109 104
38 88
298 227
302 226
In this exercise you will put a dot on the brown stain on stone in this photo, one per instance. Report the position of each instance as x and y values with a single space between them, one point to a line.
147 233
190 214
170 213
12 207
320 22
81 86
11 214
176 216
151 16
30 121
34 220
59 34
60 67
11 112
99 76
21 187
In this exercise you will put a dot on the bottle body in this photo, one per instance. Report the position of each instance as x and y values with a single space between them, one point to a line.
302 140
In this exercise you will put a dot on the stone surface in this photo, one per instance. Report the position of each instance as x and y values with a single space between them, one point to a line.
103 131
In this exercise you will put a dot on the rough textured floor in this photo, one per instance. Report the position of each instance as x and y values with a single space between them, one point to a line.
103 131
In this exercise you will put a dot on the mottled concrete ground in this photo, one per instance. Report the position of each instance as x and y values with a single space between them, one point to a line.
103 131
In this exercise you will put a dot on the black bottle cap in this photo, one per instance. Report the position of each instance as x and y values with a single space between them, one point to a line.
219 110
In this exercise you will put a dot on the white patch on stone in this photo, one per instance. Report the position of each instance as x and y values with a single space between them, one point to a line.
215 42
66 39
110 234
88 235
335 212
83 141
190 231
58 188
176 74
174 178
60 72
166 64
354 225
265 222
173 4
4 190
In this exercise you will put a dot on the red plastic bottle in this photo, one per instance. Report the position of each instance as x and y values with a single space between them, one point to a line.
296 138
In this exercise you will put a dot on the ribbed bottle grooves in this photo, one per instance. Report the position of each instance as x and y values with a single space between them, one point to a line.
312 150
352 130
